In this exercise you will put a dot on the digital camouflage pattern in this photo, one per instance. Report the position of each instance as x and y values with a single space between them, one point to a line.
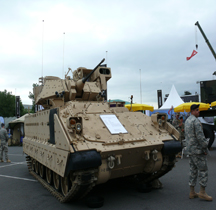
4 139
196 144
176 123
181 131
3 135
198 164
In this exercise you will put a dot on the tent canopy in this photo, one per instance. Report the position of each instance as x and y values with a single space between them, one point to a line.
173 99
136 107
186 107
18 120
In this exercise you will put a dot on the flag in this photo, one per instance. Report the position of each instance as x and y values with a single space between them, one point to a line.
170 110
193 53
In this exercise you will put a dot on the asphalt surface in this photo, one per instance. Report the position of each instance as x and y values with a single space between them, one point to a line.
19 190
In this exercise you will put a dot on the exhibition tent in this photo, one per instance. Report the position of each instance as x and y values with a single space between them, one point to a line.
173 100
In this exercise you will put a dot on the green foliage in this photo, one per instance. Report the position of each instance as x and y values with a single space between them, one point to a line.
31 96
7 105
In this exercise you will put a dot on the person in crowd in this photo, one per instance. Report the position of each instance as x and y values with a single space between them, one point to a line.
4 145
176 121
197 145
181 129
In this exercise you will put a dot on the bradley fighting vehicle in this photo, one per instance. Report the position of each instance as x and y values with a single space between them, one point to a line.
80 140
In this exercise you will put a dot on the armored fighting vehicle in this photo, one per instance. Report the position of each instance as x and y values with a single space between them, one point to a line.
80 139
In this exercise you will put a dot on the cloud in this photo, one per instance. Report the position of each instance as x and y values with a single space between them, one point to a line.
155 37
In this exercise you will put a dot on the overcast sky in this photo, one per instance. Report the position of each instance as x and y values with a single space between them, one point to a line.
154 36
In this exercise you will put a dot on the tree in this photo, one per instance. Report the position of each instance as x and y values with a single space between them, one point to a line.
7 105
187 93
31 96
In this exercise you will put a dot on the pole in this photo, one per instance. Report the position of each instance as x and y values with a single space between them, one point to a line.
106 58
207 41
63 55
42 44
140 88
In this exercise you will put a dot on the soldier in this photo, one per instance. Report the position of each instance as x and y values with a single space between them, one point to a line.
176 121
196 144
181 129
4 147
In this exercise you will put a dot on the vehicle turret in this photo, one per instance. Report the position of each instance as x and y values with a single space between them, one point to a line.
86 85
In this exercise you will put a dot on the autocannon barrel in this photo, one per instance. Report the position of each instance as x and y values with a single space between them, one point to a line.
80 83
89 75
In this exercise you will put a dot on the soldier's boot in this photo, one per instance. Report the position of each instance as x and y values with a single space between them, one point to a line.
192 194
2 160
8 161
203 195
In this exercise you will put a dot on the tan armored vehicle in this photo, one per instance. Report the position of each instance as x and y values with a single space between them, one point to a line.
79 140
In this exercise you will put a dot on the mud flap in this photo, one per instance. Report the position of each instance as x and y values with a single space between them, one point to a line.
171 147
83 160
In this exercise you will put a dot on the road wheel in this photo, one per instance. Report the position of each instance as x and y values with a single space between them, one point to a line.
42 170
56 181
49 176
65 185
33 164
36 167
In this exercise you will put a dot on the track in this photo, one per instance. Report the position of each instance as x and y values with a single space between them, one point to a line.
168 164
78 189
81 188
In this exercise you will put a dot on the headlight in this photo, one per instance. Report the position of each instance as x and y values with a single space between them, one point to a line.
78 127
72 123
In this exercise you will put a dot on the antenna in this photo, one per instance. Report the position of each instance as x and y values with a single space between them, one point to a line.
140 88
42 44
63 55
106 58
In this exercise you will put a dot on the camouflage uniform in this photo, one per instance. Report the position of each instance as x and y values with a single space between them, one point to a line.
196 144
182 134
4 139
176 123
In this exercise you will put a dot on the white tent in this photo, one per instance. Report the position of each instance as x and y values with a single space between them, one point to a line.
173 100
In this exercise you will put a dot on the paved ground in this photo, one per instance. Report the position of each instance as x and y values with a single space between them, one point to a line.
19 190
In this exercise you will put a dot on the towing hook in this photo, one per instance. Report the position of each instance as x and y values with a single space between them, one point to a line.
111 163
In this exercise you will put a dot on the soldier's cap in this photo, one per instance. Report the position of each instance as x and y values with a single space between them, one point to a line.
194 106
177 113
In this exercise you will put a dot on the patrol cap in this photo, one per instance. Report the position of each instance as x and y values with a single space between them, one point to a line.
194 106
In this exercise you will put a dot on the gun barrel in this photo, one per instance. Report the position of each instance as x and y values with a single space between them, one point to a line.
89 75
